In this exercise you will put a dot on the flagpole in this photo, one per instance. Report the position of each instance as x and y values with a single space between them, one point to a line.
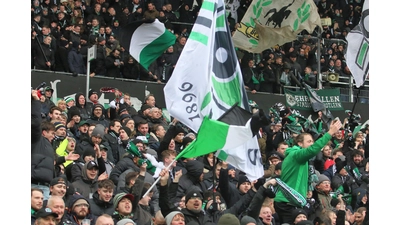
158 178
354 106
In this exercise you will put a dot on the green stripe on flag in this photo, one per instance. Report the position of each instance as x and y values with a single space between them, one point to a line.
220 21
151 51
196 36
211 137
208 6
228 91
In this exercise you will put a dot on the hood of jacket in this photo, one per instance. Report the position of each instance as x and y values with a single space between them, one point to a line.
102 117
77 99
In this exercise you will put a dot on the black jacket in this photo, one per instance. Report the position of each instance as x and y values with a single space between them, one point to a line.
99 207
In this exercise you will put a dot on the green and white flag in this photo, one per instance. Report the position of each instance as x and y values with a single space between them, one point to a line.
214 135
146 40
207 81
357 52
275 22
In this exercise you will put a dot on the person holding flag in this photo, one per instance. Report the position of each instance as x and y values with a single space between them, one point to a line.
295 170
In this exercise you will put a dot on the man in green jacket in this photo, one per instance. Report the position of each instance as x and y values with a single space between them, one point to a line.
295 168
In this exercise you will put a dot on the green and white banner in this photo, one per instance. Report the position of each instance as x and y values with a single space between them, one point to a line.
300 100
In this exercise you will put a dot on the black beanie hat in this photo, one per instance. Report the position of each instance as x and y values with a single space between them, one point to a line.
194 168
127 130
89 152
242 179
339 164
334 202
297 212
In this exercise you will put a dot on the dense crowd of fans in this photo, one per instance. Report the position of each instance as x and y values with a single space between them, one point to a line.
88 162
63 30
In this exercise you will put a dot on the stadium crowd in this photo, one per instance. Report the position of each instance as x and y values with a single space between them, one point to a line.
63 30
92 165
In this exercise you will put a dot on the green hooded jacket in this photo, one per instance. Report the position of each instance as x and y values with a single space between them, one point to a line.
295 167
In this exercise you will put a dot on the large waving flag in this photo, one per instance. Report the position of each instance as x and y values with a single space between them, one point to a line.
219 134
207 81
357 52
146 40
275 22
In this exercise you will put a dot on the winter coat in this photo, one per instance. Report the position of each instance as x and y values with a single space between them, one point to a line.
99 207
85 110
85 186
76 62
148 178
70 216
98 120
295 167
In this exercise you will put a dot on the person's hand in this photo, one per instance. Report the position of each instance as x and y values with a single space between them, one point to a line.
143 168
164 174
103 176
97 150
334 127
178 175
224 164
270 182
48 63
72 156
34 94
71 124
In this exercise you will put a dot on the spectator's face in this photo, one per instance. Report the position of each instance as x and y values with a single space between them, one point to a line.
131 125
327 151
56 115
124 207
307 142
266 215
194 204
58 190
143 128
357 159
182 41
98 112
244 187
300 218
36 200
150 7
84 128
97 8
92 173
61 132
81 210
178 220
96 140
81 100
47 40
102 30
123 135
171 145
282 148
49 135
151 101
57 206
90 130
105 194
95 23
60 15
116 127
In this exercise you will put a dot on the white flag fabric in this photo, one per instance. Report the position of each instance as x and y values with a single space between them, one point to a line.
357 52
207 81
275 22
146 40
